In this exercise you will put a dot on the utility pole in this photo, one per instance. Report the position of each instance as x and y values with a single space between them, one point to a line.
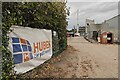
77 19
74 31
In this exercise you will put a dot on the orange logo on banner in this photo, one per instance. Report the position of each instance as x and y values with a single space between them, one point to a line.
22 41
39 46
26 57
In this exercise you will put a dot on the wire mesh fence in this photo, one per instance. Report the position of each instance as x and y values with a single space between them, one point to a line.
58 45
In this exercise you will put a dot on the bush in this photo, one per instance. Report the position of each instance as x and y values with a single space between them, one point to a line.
41 15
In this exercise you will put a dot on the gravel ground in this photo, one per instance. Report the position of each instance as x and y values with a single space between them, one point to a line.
97 60
80 60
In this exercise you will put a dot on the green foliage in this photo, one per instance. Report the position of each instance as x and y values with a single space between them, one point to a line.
41 15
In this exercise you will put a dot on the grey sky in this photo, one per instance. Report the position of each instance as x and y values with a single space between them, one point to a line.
99 11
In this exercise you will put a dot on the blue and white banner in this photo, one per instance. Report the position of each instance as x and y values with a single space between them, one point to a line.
29 47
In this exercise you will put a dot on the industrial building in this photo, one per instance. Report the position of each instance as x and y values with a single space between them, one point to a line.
81 30
92 30
111 25
108 27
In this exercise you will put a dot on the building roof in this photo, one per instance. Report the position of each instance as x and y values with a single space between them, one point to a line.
113 17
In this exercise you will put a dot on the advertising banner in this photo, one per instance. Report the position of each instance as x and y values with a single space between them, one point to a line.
30 47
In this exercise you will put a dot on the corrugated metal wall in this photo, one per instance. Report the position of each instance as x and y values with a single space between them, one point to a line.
111 25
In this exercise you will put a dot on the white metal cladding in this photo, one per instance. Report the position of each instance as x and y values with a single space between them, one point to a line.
111 25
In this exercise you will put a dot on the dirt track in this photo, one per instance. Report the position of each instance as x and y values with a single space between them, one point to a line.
97 60
81 60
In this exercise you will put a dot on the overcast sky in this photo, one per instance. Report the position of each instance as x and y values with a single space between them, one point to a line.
97 10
